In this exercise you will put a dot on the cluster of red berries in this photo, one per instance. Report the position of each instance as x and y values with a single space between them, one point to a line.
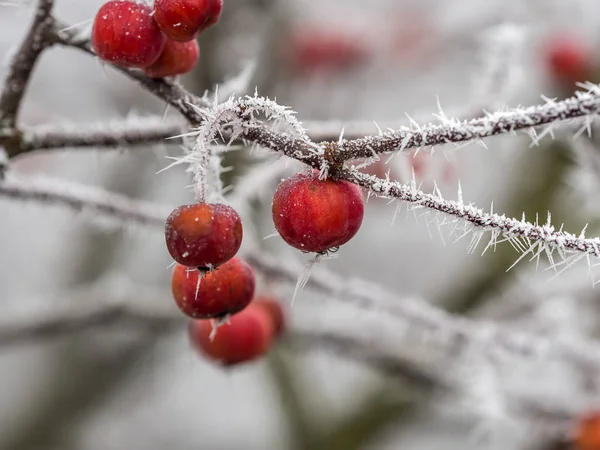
161 41
211 283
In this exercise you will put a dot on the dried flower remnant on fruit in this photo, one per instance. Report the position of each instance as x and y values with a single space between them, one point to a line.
316 215
203 235
125 34
225 290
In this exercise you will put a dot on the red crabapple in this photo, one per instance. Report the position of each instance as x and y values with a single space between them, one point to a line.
176 58
125 34
182 20
587 432
203 234
318 50
315 215
568 60
226 290
247 336
275 310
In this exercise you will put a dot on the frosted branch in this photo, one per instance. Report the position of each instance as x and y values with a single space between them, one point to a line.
82 198
454 335
581 105
115 133
22 65
533 239
96 307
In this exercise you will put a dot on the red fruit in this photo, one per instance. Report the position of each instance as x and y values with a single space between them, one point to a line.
323 51
203 235
587 432
275 310
226 290
569 61
176 58
248 336
125 34
182 20
315 215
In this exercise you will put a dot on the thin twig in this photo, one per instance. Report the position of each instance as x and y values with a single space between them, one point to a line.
582 105
83 198
115 133
22 67
173 93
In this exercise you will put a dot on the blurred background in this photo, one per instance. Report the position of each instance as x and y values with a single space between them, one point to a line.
336 63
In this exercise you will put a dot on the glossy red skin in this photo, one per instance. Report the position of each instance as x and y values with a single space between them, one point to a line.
203 234
569 61
248 336
315 215
587 432
226 290
125 34
182 20
275 310
176 58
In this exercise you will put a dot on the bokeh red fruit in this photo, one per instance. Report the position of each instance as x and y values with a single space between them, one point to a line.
176 58
586 434
247 336
203 234
316 215
182 20
125 34
225 290
568 60
275 310
316 50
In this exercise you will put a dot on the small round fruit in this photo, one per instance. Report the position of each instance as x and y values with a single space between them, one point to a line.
176 58
247 336
568 61
226 290
586 435
275 310
203 235
315 215
182 20
125 34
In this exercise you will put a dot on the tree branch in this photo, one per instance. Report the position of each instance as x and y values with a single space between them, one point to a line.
96 307
173 93
115 133
21 68
582 105
83 198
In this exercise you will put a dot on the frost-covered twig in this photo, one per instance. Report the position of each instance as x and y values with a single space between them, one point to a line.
88 308
348 345
582 105
173 93
533 239
239 117
455 335
114 133
83 199
22 65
